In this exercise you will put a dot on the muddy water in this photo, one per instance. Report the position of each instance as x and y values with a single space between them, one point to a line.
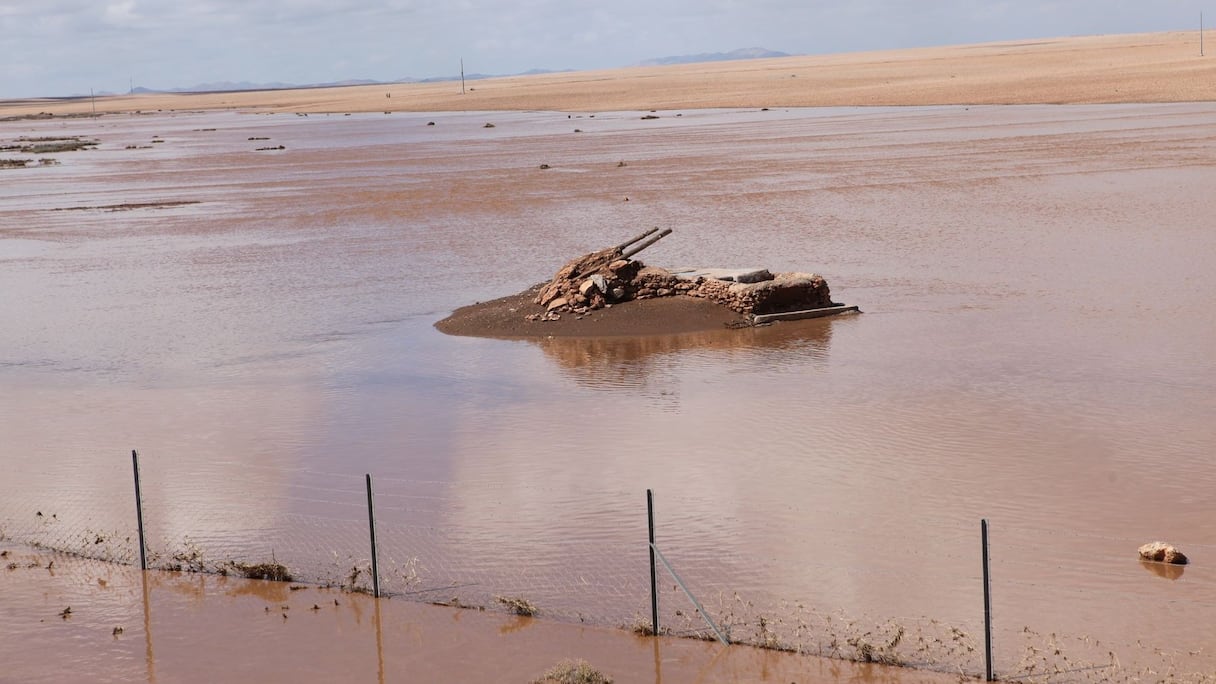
1036 349
170 627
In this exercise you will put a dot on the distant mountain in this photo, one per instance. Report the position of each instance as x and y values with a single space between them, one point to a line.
742 53
234 86
478 77
230 86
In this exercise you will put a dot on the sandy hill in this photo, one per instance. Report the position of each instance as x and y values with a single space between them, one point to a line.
1154 67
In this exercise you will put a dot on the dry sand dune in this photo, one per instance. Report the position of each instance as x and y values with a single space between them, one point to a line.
1152 67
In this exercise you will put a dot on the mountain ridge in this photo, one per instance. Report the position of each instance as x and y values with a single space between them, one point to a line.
238 86
741 53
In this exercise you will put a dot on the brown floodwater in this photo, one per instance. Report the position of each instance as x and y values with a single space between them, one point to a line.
100 622
1037 349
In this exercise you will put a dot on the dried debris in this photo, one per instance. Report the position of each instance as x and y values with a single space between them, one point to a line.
611 276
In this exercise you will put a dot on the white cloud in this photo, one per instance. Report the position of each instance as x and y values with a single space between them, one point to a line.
121 13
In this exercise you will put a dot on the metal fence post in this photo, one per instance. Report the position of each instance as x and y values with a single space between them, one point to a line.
371 523
988 677
654 584
139 514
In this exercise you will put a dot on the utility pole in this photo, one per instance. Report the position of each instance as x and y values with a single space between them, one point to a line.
462 75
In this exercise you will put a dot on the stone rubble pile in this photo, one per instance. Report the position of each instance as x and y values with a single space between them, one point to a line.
608 277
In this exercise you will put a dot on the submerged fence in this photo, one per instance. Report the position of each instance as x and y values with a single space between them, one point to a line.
1029 607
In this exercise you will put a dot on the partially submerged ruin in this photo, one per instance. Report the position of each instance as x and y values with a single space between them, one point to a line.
611 276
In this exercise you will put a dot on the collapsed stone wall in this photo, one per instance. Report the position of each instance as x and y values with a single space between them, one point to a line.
602 279
783 292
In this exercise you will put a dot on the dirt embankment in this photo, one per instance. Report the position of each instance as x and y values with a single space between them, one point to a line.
506 317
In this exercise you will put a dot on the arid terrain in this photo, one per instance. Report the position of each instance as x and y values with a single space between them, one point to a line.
1153 67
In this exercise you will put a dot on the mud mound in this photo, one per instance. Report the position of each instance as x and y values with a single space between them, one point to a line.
607 292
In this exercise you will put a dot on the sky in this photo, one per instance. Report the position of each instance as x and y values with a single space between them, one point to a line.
69 47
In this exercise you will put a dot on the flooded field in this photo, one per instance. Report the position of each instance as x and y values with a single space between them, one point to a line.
1037 349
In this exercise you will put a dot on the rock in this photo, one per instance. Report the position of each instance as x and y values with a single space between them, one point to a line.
1162 552
758 275
594 280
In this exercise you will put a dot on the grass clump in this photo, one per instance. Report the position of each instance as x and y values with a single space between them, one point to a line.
275 572
643 627
573 672
517 605
52 145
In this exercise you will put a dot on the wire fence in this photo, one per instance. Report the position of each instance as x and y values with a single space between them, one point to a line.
1063 602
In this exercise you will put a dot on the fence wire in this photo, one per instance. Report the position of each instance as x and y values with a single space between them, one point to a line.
462 545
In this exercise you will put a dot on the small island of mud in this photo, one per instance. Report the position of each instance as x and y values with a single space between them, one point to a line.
608 293
507 317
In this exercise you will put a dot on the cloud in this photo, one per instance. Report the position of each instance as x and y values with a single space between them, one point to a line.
121 14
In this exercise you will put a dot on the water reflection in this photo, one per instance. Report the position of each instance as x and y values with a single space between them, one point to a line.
1167 570
633 362
149 657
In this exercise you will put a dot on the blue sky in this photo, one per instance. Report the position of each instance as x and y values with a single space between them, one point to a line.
64 47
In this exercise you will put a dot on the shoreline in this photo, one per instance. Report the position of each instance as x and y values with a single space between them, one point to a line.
151 626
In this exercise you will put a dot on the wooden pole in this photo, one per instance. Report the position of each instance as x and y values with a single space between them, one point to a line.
623 245
644 245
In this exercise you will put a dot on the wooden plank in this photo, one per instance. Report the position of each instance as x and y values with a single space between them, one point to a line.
804 314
